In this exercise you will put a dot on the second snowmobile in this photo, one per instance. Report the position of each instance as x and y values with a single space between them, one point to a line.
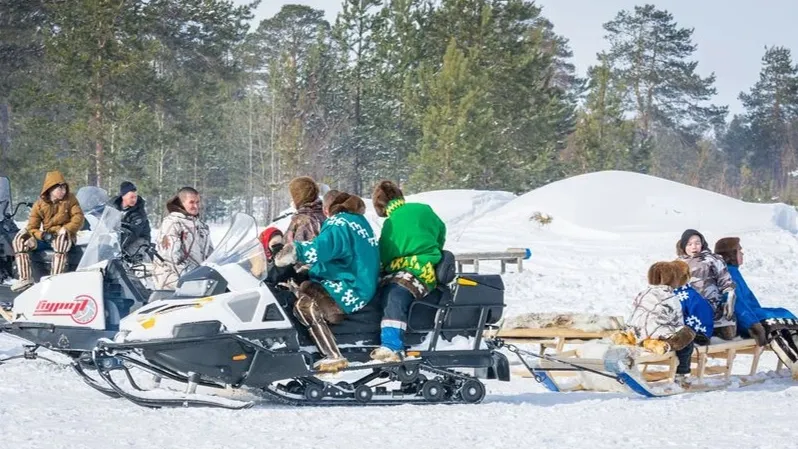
71 311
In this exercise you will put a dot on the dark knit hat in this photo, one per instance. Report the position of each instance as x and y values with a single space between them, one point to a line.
303 190
126 187
727 248
686 237
383 194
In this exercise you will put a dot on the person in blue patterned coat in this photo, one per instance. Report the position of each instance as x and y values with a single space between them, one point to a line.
344 263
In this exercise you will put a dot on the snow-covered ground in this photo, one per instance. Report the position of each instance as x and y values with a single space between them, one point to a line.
607 229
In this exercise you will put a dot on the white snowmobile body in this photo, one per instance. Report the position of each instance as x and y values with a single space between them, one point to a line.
71 311
226 288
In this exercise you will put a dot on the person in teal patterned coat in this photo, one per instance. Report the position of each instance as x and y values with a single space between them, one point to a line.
411 245
344 267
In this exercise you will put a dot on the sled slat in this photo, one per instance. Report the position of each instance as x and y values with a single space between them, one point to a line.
552 333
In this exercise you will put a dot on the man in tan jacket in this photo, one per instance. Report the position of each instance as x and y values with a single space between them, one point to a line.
54 223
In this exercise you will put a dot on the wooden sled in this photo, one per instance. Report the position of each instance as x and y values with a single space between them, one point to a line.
568 371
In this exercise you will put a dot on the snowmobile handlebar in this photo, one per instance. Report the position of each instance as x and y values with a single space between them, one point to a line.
16 209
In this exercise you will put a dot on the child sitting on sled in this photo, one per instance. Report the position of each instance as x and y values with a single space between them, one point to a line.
711 279
657 320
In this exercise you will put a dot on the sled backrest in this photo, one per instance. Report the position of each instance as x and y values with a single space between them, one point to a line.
446 270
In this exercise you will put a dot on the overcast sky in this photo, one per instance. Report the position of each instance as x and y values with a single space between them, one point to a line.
731 34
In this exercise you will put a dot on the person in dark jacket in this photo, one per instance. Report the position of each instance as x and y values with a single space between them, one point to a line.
134 219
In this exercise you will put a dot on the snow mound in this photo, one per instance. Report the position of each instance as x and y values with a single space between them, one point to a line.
459 208
609 204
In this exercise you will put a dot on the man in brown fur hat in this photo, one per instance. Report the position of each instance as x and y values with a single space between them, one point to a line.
306 223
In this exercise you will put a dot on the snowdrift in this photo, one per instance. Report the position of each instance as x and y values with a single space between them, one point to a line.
610 204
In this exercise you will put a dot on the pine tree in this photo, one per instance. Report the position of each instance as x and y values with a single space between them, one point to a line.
353 35
603 135
772 115
651 56
450 125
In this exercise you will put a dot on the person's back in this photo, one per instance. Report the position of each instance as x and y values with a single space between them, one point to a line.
411 240
356 269
411 245
306 222
344 264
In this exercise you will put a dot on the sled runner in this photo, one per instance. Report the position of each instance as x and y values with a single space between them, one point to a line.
601 367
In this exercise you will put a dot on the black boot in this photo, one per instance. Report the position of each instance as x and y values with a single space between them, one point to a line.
758 333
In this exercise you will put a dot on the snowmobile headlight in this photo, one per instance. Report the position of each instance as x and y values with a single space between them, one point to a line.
195 288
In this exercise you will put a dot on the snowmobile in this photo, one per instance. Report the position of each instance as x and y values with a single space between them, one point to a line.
8 229
223 327
70 312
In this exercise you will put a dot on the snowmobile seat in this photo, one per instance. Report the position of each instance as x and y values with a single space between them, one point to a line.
446 270
42 260
472 303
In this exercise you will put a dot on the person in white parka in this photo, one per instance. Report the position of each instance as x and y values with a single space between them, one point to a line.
184 241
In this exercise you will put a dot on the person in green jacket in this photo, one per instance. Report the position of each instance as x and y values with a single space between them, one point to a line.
411 242
344 265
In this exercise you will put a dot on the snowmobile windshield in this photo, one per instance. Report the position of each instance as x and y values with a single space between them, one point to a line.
5 197
240 245
92 200
104 242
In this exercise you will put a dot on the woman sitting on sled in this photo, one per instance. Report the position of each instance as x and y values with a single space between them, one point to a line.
711 279
777 326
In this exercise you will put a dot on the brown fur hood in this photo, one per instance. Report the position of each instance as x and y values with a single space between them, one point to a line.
344 202
174 205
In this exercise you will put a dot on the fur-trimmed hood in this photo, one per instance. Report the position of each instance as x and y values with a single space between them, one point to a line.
344 202
174 205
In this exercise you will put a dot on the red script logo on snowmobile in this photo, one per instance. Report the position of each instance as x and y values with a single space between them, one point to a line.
82 310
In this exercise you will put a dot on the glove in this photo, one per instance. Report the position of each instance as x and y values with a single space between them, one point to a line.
728 306
62 231
658 347
286 256
24 236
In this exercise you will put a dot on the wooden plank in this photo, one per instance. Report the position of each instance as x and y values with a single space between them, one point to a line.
6 315
553 332
725 346
493 255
